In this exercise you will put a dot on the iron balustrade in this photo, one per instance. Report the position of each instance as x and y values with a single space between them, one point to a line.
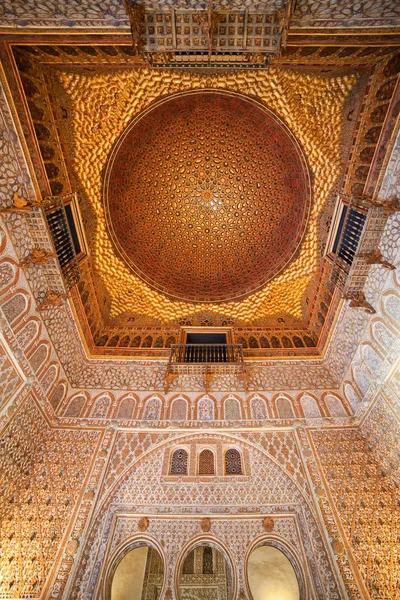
347 243
206 353
62 239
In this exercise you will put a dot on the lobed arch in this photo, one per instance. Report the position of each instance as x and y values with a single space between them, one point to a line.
258 407
205 408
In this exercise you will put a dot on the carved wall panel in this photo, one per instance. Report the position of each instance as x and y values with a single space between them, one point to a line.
267 487
368 505
42 472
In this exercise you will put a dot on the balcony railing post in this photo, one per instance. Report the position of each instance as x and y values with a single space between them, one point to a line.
206 353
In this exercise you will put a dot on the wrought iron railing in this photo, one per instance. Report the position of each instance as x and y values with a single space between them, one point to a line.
347 244
62 239
206 353
206 361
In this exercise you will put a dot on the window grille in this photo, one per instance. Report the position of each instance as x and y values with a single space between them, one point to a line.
188 565
233 462
206 463
179 463
208 561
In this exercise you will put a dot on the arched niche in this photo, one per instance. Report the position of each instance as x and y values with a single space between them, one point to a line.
204 566
273 573
137 573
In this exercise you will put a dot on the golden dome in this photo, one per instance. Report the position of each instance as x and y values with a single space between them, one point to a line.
207 196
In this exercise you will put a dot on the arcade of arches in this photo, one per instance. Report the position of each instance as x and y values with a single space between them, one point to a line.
146 198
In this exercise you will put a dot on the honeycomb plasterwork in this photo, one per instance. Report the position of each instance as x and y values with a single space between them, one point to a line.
120 96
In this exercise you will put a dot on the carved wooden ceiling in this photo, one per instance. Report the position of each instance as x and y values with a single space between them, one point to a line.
334 94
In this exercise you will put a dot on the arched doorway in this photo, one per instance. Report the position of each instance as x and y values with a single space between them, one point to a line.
271 575
139 575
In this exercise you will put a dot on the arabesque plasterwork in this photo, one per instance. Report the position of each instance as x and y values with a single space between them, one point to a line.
86 442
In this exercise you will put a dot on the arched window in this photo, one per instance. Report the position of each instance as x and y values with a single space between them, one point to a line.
179 462
208 568
159 343
179 410
205 409
258 408
137 340
206 463
287 342
233 462
147 342
284 408
253 343
310 407
171 340
75 407
232 410
152 409
188 565
100 409
242 341
126 408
